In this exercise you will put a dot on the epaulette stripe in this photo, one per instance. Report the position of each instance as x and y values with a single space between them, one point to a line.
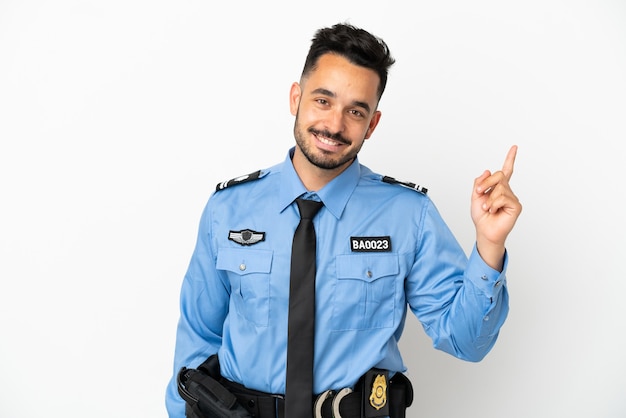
408 184
238 180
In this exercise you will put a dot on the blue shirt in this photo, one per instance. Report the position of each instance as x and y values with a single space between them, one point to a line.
381 249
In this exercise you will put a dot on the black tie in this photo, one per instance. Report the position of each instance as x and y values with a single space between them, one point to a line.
299 385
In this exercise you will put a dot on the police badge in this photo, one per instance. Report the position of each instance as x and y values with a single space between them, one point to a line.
378 397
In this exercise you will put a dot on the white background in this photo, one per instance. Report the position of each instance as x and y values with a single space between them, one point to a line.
117 119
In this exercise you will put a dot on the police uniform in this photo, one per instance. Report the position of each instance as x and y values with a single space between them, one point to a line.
382 248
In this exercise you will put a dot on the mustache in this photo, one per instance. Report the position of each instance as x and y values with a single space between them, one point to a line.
335 137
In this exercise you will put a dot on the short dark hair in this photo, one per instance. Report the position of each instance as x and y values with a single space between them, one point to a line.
356 45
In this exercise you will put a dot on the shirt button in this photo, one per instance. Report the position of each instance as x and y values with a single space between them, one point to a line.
369 274
498 283
484 277
486 318
242 267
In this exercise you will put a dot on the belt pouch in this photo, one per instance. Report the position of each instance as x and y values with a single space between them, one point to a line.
206 397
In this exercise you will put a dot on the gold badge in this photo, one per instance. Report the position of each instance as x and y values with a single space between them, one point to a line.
378 397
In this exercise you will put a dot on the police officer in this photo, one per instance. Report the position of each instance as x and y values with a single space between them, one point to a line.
382 248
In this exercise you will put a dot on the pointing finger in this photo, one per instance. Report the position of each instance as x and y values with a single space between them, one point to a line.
509 162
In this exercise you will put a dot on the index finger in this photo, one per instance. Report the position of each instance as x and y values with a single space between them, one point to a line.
509 162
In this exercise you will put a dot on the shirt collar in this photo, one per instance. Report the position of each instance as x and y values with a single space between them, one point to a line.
334 195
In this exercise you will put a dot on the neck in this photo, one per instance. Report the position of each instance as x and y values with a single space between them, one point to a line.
313 177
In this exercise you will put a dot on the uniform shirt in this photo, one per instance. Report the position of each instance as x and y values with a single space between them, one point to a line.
381 249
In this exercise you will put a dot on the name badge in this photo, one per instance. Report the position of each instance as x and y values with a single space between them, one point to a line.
370 244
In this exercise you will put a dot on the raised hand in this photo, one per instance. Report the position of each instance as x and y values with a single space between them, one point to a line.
495 209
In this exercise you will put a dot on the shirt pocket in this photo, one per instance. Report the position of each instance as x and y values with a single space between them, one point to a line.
365 295
249 274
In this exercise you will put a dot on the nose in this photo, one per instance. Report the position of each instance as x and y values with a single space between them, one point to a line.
335 121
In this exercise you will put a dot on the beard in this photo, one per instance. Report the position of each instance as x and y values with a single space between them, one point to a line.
320 158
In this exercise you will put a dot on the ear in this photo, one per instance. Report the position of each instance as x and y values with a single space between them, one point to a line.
373 123
294 98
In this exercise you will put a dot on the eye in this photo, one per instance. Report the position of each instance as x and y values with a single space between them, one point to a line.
322 101
357 113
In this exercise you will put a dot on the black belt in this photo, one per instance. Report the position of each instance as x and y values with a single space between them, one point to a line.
349 403
207 393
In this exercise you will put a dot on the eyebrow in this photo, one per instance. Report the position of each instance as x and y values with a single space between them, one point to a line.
329 93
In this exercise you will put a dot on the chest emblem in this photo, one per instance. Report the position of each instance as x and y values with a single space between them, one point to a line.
246 236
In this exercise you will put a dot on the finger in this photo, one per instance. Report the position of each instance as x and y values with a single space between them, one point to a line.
497 204
489 181
509 162
500 197
479 186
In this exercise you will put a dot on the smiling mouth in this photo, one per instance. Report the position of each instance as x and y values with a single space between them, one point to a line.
329 139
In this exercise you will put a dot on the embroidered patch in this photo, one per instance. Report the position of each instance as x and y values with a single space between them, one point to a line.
370 244
246 236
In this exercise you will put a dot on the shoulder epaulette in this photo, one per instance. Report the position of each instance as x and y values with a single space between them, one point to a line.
238 180
408 184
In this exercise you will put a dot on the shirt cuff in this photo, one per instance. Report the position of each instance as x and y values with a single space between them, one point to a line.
489 280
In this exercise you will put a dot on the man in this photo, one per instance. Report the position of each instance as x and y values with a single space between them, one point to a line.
381 248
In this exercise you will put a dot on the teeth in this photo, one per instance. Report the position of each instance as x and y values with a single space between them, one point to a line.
327 141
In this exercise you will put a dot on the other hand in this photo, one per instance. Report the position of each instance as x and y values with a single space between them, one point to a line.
495 209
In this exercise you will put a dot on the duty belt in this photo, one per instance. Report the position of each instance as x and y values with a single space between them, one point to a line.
375 395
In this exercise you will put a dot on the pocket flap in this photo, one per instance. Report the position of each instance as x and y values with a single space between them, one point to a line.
244 261
367 267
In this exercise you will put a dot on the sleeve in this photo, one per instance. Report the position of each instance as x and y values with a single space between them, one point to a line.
204 300
461 302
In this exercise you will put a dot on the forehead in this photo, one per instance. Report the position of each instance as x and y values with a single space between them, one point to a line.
344 79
